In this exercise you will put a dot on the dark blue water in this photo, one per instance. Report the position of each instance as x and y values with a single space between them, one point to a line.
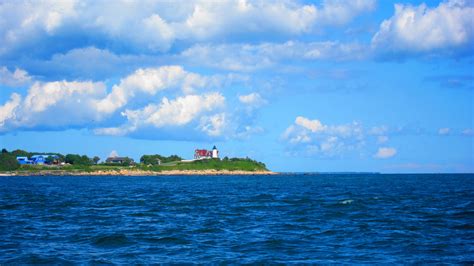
242 219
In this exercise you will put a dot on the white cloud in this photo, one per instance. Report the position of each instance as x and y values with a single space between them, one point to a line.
312 125
214 125
315 138
7 111
341 12
420 29
193 113
59 104
55 104
15 78
251 57
444 131
173 113
24 20
385 152
149 81
155 25
252 99
41 96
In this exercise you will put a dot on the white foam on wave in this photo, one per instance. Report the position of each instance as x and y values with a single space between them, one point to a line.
348 201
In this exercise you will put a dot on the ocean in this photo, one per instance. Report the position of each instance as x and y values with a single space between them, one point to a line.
291 218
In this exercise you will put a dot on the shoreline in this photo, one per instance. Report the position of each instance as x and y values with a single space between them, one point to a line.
126 172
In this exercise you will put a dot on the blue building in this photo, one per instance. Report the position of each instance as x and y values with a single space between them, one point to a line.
39 159
36 159
23 160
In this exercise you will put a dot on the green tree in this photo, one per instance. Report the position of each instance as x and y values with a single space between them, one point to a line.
49 160
96 159
153 159
77 159
8 162
71 158
20 153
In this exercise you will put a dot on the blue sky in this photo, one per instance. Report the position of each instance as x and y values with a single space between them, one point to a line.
301 85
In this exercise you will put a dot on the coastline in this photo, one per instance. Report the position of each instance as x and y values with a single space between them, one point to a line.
127 172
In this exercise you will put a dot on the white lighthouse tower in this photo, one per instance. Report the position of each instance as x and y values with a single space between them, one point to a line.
215 152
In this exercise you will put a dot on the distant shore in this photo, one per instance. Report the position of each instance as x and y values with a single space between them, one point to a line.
134 172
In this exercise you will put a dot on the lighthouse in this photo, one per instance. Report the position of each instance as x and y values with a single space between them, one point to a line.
215 152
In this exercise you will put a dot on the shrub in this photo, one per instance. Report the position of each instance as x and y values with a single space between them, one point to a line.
8 162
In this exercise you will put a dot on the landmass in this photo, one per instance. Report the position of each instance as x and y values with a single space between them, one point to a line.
22 163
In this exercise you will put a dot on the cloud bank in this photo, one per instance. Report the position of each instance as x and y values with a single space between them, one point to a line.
196 107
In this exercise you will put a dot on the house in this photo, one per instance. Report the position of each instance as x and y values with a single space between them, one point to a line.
23 160
118 160
38 159
202 154
205 154
42 158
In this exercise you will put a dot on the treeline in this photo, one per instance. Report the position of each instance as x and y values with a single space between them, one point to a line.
157 159
8 161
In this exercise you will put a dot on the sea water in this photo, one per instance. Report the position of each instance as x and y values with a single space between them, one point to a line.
291 218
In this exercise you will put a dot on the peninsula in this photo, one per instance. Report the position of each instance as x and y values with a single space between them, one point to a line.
23 163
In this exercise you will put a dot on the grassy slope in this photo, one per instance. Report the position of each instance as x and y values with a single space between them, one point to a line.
242 165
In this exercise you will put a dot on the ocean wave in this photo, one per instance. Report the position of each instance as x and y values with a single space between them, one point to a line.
109 241
347 201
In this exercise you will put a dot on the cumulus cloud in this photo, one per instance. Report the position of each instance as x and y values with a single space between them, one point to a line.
420 29
85 103
214 125
15 78
54 104
172 113
190 106
7 111
385 152
149 81
315 138
154 26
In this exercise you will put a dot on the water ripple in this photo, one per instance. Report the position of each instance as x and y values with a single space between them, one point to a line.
313 219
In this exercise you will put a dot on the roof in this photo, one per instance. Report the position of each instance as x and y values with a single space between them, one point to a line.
44 155
117 158
22 158
202 152
214 148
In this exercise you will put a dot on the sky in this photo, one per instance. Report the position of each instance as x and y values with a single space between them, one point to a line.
320 86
